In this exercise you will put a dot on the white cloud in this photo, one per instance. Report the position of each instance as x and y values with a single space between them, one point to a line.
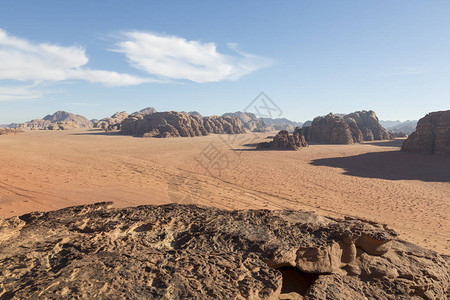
19 93
177 58
25 61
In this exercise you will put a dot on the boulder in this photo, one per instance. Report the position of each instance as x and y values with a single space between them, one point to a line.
177 124
194 252
432 135
285 141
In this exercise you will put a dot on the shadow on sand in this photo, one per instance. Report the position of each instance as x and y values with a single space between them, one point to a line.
96 132
392 165
387 143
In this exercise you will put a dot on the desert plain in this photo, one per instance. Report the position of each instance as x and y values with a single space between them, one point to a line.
48 170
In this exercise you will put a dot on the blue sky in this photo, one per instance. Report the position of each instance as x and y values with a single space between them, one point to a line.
311 57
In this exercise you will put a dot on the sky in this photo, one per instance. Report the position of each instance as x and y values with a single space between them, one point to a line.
95 58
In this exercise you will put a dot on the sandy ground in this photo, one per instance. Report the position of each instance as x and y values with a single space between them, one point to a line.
42 170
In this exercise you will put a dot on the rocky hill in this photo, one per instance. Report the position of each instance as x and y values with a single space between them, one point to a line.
60 120
281 124
285 141
346 129
176 124
191 252
432 135
7 131
249 121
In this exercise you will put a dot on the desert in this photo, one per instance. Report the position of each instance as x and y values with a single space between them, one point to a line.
225 150
47 170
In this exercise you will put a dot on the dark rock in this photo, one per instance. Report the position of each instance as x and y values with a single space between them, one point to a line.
432 135
284 141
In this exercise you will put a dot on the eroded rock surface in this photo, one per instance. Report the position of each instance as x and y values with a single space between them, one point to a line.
7 131
113 122
285 141
432 135
191 252
352 128
176 124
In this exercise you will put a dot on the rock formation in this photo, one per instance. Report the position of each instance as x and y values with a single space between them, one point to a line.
175 124
249 121
191 252
346 129
113 122
281 124
432 135
60 120
284 141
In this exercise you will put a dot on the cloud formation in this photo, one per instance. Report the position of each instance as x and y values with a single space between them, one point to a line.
176 58
25 61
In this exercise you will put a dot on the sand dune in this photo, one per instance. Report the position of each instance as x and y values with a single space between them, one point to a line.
43 170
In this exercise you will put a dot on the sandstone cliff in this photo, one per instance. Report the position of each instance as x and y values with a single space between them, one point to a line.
432 135
346 129
175 124
113 122
191 252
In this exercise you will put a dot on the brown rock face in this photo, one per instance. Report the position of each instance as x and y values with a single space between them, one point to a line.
176 124
330 129
191 252
112 123
369 125
6 131
348 129
432 135
284 141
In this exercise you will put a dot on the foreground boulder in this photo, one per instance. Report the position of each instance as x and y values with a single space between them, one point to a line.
355 127
432 135
191 252
285 141
176 124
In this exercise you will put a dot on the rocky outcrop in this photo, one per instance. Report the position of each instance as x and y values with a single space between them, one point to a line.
432 135
285 141
113 122
346 129
369 125
191 252
280 124
60 120
176 124
249 121
330 129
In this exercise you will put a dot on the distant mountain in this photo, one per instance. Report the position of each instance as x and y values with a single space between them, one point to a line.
146 111
3 125
406 127
281 124
60 120
249 121
387 124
